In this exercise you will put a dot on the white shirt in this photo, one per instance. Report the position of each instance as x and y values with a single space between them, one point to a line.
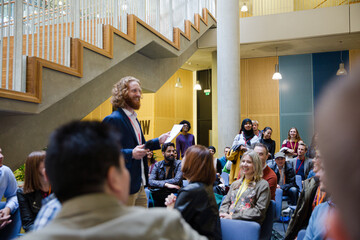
137 129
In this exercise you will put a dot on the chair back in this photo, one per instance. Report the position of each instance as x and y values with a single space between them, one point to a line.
225 176
267 225
278 203
239 229
298 181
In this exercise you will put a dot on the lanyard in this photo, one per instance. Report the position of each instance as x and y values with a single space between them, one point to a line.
297 170
136 129
318 200
246 140
242 189
293 147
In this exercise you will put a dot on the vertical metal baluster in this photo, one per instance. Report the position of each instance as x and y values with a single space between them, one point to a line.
2 40
33 30
18 85
38 30
48 32
27 27
53 34
57 31
43 29
61 17
82 20
93 11
8 46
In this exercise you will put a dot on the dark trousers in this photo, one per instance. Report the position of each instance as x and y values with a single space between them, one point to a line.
159 195
292 193
11 230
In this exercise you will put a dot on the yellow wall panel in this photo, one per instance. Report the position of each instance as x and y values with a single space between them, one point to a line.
260 94
354 57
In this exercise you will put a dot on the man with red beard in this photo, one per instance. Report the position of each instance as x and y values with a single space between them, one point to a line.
126 96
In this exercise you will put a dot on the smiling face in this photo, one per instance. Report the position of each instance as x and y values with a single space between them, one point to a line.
169 153
267 134
293 133
134 95
185 128
301 151
248 126
247 166
280 161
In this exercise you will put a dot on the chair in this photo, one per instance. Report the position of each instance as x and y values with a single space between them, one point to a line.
267 225
301 234
149 197
13 229
239 229
298 181
225 176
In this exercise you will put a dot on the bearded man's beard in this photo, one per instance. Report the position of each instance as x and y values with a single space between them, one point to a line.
132 103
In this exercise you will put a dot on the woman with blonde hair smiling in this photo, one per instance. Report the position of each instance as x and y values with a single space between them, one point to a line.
248 197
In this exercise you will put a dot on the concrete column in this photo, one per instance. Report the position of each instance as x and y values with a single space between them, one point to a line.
228 71
214 105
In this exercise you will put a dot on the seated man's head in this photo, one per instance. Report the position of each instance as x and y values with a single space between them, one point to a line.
85 157
262 151
212 150
226 150
280 159
302 149
168 151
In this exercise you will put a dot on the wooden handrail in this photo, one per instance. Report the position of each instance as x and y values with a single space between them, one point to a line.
35 65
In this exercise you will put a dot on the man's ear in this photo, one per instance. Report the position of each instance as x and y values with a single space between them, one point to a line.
114 180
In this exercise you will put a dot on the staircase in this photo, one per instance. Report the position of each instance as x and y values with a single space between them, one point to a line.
57 94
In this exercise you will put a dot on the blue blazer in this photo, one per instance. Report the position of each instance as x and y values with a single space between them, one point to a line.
121 121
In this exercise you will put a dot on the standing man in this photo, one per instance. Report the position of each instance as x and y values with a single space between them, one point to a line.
166 176
301 165
184 140
8 187
286 177
126 96
268 174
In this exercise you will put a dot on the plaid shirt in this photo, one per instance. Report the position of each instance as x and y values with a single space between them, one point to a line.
50 208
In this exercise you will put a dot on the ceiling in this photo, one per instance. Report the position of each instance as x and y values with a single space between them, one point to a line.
202 58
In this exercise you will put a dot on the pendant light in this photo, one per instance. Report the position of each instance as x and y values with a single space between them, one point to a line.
197 86
244 8
178 83
277 74
341 71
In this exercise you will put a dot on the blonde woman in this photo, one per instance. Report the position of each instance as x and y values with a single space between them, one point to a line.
248 197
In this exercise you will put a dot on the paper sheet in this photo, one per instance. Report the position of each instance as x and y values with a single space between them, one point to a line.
174 131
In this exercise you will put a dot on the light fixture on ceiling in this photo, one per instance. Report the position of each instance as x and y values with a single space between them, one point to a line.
341 71
244 8
178 83
277 74
197 86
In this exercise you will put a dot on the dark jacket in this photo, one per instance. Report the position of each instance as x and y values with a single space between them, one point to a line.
29 204
198 207
158 179
120 120
301 216
289 176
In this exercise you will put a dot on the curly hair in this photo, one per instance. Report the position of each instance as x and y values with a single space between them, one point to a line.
120 91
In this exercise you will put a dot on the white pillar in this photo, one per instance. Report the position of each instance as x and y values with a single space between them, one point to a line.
228 71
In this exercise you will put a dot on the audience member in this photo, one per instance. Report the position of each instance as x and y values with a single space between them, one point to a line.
290 145
8 187
256 130
217 163
242 142
286 177
302 164
36 188
317 227
339 108
268 174
166 177
268 142
306 203
196 201
151 161
126 96
49 210
87 173
248 197
223 159
184 140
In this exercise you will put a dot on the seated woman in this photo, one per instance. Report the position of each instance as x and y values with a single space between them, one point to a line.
248 197
291 144
196 201
268 142
242 142
36 188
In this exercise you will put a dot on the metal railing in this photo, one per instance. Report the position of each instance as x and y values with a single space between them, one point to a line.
43 28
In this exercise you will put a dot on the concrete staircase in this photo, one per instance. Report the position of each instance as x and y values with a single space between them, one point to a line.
71 93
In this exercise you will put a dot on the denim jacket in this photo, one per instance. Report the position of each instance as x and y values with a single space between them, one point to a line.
158 174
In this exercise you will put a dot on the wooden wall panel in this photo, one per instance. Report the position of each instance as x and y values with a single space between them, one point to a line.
354 58
260 94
